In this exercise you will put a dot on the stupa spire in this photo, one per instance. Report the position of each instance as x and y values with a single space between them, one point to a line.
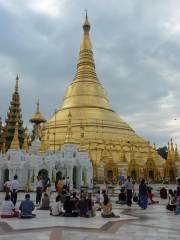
17 84
14 116
86 90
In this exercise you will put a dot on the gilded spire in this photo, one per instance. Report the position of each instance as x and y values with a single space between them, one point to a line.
86 24
172 146
69 129
17 84
13 116
15 141
26 141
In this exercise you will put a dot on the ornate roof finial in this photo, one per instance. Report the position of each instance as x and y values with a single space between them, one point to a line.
172 145
86 24
37 106
154 146
17 83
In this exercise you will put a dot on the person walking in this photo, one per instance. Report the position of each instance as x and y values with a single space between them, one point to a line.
7 187
129 191
14 189
143 195
39 190
48 186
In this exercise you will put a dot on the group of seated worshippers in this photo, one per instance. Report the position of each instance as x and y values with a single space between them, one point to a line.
67 206
25 209
72 206
83 206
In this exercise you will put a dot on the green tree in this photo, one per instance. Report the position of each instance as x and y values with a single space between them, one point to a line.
163 151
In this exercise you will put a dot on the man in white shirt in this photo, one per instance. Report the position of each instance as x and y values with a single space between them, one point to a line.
129 190
39 189
14 189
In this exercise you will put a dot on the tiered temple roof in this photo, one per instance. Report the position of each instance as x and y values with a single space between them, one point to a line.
14 116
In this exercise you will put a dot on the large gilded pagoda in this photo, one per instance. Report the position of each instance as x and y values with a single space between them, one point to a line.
113 146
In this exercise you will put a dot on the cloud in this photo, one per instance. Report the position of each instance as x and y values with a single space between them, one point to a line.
136 48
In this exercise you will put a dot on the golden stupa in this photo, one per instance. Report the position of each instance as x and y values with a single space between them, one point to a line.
112 144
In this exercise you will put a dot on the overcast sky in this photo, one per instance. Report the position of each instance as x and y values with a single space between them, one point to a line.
136 47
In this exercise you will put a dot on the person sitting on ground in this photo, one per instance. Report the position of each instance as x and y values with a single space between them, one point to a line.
60 185
98 201
83 206
8 208
45 202
68 208
75 203
97 197
26 207
56 209
171 201
63 196
121 197
106 207
150 196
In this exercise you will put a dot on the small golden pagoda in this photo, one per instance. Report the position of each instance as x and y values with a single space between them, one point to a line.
15 142
172 164
37 119
107 138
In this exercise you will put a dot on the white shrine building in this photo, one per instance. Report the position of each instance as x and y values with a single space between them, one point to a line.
68 163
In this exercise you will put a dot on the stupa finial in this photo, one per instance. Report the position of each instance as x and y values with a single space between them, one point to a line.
17 83
86 24
37 106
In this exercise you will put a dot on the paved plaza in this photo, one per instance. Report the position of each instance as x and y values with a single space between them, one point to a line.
152 224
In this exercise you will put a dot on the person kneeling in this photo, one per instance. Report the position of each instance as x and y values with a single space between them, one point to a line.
107 208
45 202
122 197
26 207
56 208
8 209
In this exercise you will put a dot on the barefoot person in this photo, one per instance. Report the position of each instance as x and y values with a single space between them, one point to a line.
129 191
14 189
107 208
26 207
8 208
